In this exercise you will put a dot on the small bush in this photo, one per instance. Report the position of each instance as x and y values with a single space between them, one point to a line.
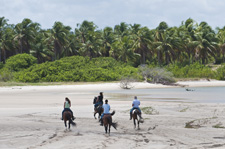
20 62
220 75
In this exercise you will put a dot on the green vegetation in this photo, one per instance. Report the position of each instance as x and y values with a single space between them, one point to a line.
149 110
219 125
74 68
29 53
194 70
184 110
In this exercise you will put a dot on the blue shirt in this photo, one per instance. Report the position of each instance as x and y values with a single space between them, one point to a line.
136 103
106 108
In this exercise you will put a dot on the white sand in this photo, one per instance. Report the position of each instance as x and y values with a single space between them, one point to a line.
30 118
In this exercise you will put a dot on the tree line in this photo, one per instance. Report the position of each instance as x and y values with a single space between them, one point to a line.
186 44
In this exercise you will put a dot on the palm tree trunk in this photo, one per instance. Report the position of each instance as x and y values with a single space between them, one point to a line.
0 54
159 60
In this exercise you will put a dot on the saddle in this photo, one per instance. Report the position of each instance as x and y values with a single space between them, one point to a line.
136 109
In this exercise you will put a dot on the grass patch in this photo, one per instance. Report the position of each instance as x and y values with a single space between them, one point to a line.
192 125
198 122
219 125
149 111
184 110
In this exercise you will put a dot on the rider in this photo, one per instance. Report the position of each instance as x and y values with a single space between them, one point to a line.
106 108
135 105
99 100
67 105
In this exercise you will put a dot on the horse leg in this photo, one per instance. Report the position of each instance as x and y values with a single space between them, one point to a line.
65 124
109 129
94 114
69 124
106 129
134 123
138 125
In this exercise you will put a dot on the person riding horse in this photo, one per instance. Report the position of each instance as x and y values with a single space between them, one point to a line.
135 105
99 100
106 108
67 105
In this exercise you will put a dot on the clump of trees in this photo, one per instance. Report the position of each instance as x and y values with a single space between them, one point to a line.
184 50
130 43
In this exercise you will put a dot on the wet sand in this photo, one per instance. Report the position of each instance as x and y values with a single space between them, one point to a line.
30 118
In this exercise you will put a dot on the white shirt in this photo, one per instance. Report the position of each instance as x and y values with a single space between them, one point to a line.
136 103
106 108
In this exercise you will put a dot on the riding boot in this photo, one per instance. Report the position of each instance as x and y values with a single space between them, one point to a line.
73 118
130 115
141 116
101 120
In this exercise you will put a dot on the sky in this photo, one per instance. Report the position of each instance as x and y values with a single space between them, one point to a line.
108 13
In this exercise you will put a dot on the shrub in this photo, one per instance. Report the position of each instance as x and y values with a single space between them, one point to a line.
156 75
220 75
76 68
195 70
20 62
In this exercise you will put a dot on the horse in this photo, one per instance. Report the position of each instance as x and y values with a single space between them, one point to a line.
136 115
98 110
107 122
67 116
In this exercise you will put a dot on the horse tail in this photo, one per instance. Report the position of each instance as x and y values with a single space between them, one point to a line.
110 121
114 125
113 113
68 116
73 123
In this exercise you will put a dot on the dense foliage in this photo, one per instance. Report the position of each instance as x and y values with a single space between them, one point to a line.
75 68
195 70
188 43
92 54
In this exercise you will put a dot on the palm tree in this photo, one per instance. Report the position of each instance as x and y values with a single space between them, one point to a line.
25 34
167 42
158 36
207 42
88 38
142 41
123 50
107 39
57 37
3 23
221 37
121 30
187 43
40 49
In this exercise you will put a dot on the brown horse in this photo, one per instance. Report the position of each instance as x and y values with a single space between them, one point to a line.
107 122
67 116
98 110
136 115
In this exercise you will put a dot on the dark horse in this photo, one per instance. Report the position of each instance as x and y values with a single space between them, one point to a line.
67 116
107 122
98 109
136 115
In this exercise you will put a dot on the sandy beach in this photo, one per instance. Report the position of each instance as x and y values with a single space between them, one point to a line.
30 118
